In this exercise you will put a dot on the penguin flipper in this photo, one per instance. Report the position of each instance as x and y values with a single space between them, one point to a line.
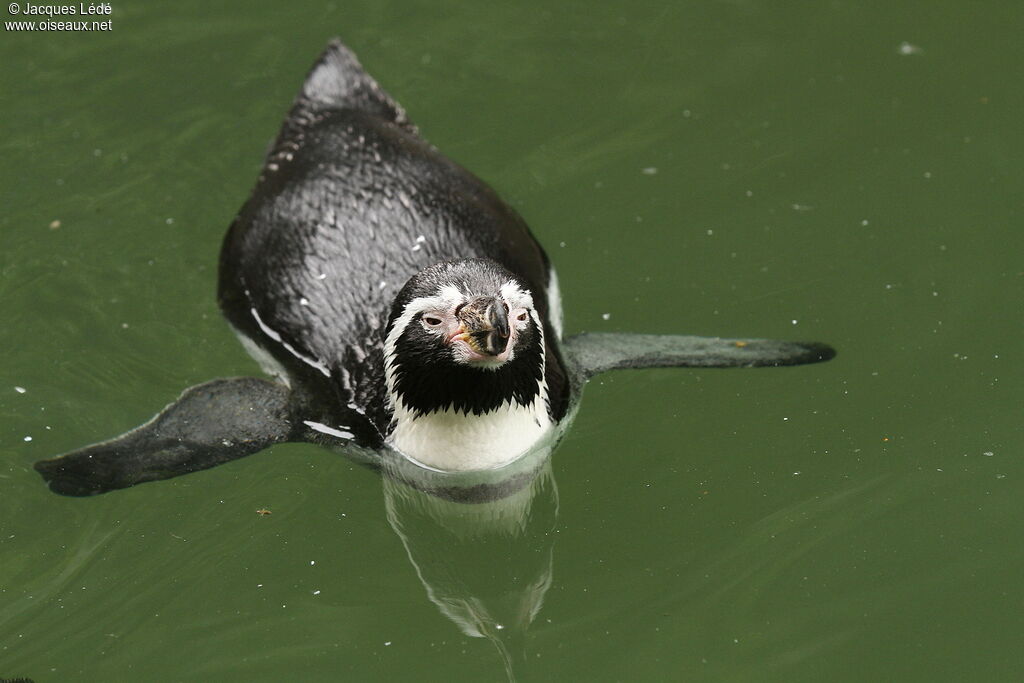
208 425
595 353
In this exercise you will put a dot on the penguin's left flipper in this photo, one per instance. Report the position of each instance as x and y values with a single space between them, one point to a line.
595 352
210 424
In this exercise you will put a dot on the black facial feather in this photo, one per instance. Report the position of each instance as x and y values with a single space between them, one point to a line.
427 378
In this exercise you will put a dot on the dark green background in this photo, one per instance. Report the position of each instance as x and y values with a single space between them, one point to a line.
856 521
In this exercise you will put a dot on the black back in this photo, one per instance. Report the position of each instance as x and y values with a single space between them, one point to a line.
351 202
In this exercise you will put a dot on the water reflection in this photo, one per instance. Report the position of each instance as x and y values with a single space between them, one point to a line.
481 542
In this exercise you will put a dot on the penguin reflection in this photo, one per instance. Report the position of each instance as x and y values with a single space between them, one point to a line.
481 542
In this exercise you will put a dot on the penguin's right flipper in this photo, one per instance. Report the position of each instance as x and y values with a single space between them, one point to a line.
595 353
210 424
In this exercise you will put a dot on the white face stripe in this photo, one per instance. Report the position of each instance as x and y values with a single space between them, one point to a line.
450 297
516 297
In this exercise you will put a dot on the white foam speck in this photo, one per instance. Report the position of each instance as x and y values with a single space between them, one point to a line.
20 390
606 316
650 170
303 301
28 438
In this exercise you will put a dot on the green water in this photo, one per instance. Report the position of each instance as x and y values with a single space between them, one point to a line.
738 168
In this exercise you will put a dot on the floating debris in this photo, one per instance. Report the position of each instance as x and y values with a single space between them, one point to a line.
906 49
263 512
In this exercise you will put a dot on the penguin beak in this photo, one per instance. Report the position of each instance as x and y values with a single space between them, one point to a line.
484 326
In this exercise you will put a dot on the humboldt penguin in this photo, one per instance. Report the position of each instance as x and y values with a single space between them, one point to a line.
399 306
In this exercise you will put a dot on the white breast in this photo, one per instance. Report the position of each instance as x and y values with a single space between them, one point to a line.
451 441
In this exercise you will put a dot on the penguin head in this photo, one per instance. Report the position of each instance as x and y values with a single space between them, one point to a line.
463 335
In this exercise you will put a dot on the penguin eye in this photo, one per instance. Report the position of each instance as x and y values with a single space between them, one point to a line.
522 317
432 321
